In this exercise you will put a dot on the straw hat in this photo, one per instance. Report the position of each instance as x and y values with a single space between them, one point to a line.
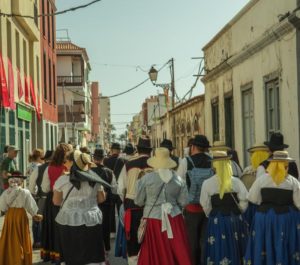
258 147
219 146
280 156
161 159
82 160
220 155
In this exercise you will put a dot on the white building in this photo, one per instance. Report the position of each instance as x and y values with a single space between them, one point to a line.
252 77
74 94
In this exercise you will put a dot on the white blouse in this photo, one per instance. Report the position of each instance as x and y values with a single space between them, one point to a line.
81 206
211 187
18 198
266 181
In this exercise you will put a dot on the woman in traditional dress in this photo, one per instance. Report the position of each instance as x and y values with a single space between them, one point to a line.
258 154
224 199
164 194
50 245
79 219
275 232
15 242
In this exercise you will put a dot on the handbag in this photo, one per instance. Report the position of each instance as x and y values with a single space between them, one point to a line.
143 223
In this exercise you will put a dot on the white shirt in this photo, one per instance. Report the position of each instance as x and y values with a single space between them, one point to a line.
81 206
45 185
182 168
122 183
32 181
266 181
18 197
211 187
260 171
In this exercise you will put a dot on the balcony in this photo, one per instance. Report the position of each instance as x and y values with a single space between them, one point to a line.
70 80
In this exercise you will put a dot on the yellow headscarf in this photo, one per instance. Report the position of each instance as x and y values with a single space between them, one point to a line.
278 171
257 157
224 172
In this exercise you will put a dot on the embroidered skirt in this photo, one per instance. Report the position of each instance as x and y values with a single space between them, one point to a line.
158 249
226 239
15 242
50 243
274 239
250 213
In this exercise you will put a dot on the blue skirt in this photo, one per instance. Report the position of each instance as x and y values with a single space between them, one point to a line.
120 243
226 239
250 213
274 239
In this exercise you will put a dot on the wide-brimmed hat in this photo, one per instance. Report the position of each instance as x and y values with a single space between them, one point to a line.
161 159
281 156
200 141
167 144
219 146
99 153
129 149
17 174
48 155
115 146
82 160
12 148
144 143
220 155
258 147
276 142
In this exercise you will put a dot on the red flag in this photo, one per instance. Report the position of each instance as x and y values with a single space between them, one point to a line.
20 88
26 90
3 85
11 85
34 100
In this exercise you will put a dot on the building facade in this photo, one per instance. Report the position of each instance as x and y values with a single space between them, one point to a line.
73 94
48 131
252 77
95 113
188 120
105 122
20 78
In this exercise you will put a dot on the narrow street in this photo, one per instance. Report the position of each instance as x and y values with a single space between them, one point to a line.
36 254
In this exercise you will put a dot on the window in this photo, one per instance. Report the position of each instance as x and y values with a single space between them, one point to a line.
12 129
50 81
248 120
54 86
9 44
25 57
229 121
53 32
45 75
272 106
18 49
48 26
2 129
215 119
43 17
38 77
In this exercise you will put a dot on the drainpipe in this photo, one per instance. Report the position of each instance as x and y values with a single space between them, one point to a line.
294 19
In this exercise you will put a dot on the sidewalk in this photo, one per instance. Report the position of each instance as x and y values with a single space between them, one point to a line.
36 254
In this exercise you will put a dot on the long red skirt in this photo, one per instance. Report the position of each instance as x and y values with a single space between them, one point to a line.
158 249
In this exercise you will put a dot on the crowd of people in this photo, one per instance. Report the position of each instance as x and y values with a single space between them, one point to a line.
202 209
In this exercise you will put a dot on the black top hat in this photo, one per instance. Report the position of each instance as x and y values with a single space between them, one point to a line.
48 155
17 174
276 142
167 144
98 153
201 141
129 150
144 143
115 146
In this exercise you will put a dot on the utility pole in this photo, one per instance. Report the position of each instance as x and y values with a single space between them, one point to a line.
172 82
65 111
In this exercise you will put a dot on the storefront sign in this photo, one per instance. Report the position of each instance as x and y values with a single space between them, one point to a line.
24 113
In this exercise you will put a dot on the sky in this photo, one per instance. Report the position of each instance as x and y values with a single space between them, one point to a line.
124 38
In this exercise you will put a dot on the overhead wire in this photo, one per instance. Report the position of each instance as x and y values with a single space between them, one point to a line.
71 9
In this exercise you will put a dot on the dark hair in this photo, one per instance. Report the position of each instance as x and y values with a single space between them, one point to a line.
142 150
59 154
5 149
234 156
35 155
84 149
69 156
200 149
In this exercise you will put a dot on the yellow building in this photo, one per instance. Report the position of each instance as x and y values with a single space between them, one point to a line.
20 44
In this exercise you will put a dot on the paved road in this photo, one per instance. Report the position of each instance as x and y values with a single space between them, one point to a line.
37 260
